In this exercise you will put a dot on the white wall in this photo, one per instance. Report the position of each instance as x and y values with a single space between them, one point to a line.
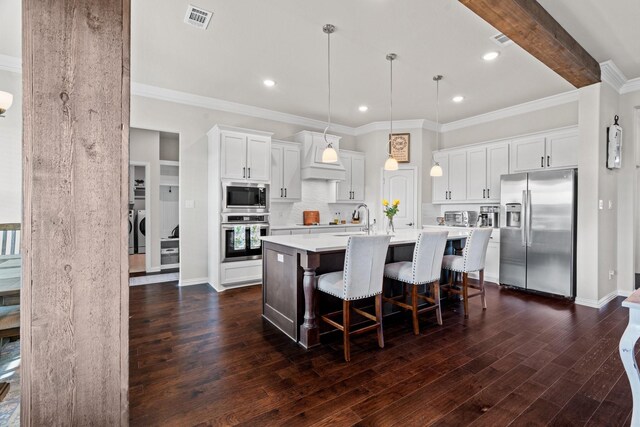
11 151
192 123
144 146
375 146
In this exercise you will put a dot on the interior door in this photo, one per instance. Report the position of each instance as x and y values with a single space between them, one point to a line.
258 159
441 183
234 156
400 184
277 166
550 255
458 176
477 174
291 165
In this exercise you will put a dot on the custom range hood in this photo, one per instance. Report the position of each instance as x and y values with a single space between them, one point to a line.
312 166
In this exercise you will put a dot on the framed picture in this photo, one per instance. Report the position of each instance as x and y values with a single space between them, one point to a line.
399 146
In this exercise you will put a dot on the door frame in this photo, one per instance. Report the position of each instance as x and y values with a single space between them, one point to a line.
147 205
416 181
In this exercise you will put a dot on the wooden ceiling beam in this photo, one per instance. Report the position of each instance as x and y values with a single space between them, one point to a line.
529 25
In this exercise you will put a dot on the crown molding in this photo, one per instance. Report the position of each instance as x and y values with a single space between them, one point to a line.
397 125
611 74
170 95
527 107
10 63
632 85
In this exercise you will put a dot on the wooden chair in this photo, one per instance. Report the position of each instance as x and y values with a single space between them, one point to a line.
361 278
424 269
472 259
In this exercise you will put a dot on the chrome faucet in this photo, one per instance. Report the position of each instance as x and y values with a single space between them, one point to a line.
367 226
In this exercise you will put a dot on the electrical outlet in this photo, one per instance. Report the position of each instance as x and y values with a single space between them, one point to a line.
611 274
600 204
610 204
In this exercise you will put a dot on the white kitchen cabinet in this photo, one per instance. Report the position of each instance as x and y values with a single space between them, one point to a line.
352 188
528 153
477 174
562 149
245 157
497 165
550 150
458 176
286 185
441 183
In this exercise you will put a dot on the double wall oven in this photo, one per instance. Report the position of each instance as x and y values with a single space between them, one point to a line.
245 218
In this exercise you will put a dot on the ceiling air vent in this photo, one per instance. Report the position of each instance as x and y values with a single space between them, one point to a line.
501 40
197 17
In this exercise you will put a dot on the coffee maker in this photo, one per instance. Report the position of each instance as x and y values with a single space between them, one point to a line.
490 216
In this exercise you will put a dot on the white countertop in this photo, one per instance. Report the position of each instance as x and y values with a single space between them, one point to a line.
333 242
310 227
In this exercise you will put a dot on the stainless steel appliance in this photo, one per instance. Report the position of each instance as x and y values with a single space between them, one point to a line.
244 197
537 233
132 229
461 218
237 241
490 216
141 224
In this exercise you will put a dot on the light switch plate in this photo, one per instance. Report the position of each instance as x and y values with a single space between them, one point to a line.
600 204
280 258
610 204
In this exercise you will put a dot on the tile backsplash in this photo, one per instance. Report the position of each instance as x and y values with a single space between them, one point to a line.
316 196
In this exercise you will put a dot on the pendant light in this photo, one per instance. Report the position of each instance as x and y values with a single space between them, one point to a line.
391 164
329 155
436 170
6 99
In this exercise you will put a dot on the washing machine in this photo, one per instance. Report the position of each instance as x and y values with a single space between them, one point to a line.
141 230
132 223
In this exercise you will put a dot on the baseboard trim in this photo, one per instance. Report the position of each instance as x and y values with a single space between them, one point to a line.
598 303
191 282
222 288
624 293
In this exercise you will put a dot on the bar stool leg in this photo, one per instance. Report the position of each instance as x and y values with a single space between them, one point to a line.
346 321
436 297
465 293
414 309
482 295
379 320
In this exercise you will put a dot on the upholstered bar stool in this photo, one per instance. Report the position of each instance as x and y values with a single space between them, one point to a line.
361 278
424 269
471 260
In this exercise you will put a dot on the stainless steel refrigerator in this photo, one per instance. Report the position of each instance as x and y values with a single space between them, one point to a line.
537 231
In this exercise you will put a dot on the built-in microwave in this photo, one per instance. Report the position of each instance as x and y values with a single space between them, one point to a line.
245 197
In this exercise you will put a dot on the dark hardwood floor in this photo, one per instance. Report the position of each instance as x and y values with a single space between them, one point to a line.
201 358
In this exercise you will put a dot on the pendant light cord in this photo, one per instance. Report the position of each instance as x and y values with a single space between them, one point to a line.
390 57
437 79
329 87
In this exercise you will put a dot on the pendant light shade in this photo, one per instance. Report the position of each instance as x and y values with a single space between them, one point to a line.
436 169
329 155
391 164
6 99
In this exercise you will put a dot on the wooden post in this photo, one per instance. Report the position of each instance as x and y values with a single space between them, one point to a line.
75 170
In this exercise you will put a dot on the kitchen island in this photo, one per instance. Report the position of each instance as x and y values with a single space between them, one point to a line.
290 265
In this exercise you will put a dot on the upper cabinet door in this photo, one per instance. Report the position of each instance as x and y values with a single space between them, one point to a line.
233 152
277 170
477 174
528 154
497 165
562 149
343 188
357 178
292 183
458 176
258 158
440 187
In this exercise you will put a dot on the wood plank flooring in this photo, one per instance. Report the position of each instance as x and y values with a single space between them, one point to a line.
202 358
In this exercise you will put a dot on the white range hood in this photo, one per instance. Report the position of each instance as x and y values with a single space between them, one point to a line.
313 144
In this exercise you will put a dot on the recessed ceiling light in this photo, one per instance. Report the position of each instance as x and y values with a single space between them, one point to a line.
490 56
363 108
269 83
458 98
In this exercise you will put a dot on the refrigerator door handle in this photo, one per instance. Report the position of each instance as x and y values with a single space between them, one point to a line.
523 218
529 237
